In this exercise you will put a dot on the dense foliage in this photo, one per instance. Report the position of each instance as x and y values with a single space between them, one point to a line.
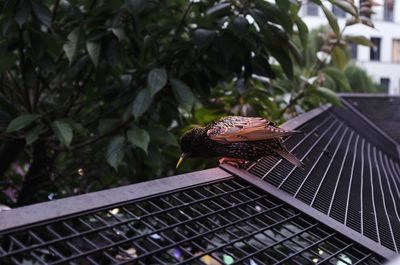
94 93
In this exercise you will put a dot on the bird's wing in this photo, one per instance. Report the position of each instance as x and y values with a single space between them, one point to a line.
239 129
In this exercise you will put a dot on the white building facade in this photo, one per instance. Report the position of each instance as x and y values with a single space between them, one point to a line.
383 61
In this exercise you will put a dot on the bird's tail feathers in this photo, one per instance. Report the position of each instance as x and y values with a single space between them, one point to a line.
290 157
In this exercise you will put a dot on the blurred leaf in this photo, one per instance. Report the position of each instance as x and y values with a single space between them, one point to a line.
219 10
71 46
283 58
346 6
156 80
94 49
63 132
329 95
240 26
141 103
41 12
332 20
22 13
303 31
339 77
120 33
33 134
183 94
7 60
136 6
139 137
115 151
360 40
21 122
339 57
78 127
203 37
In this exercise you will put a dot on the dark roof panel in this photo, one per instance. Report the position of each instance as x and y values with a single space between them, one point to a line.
348 176
384 111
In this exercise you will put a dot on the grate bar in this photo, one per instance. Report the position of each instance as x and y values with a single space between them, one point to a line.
116 224
316 243
172 226
389 185
384 202
340 173
306 154
319 157
373 193
298 144
335 254
275 244
362 188
327 169
351 179
233 241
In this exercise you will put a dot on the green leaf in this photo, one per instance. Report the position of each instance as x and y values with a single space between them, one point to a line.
7 60
156 80
141 103
339 78
332 20
115 151
94 49
303 31
63 131
339 57
71 47
139 137
183 94
42 13
136 6
33 134
361 40
329 95
21 122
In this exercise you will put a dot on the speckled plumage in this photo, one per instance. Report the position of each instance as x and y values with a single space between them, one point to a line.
247 138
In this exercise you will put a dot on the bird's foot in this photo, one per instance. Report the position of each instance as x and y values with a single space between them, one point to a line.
236 162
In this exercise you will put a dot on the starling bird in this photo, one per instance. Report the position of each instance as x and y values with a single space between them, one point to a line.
237 138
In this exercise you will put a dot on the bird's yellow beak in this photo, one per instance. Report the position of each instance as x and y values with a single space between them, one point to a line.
183 156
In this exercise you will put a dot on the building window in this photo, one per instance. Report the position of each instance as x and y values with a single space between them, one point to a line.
375 52
385 84
353 50
396 51
388 6
311 9
338 11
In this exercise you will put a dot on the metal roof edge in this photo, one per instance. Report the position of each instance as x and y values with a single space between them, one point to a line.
45 211
306 209
305 117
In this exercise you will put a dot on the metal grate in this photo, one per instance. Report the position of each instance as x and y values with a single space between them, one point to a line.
348 176
224 222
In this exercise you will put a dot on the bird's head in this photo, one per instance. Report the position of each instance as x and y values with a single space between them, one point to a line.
189 142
